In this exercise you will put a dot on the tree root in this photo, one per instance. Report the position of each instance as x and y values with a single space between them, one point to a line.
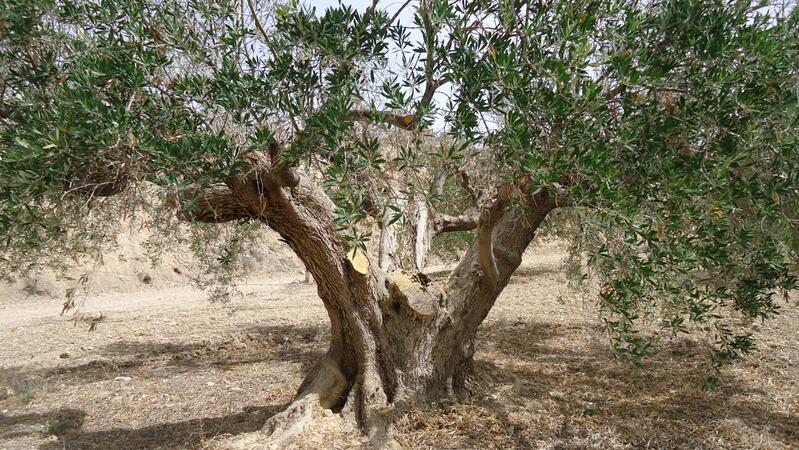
292 421
368 406
323 388
360 412
463 381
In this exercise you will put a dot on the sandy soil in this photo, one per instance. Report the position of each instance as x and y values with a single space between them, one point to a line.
169 370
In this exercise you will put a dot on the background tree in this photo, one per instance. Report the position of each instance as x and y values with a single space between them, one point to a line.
669 129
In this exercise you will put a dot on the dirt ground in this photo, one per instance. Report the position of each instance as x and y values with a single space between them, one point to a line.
169 370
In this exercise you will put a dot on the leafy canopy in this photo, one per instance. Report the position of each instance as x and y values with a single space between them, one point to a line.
670 128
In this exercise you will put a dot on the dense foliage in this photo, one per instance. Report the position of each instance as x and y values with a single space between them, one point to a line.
670 128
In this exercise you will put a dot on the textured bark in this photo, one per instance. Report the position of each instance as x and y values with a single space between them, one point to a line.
421 225
424 224
388 253
419 233
465 222
396 338
214 204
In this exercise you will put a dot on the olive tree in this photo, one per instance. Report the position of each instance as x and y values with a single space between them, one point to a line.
668 129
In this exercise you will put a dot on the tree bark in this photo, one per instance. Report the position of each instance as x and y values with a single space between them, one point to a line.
419 235
397 338
424 224
388 253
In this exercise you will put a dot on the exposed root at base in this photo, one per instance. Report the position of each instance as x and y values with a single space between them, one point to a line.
319 431
292 421
322 388
304 426
366 406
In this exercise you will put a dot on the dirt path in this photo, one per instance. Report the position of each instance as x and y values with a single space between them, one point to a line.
169 370
26 312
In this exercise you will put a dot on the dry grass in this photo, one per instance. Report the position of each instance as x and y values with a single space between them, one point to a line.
182 374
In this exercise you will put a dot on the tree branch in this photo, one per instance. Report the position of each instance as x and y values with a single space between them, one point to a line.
430 89
445 223
430 42
371 8
489 216
467 185
213 204
485 246
240 196
399 11
440 181
260 28
256 20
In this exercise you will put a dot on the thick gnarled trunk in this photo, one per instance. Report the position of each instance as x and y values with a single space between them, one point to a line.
396 337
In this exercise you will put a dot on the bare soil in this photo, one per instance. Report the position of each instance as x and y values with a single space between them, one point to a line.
168 370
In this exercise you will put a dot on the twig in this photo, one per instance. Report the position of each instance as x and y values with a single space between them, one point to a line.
260 27
399 11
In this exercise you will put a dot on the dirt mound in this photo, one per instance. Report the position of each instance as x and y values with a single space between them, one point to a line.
126 267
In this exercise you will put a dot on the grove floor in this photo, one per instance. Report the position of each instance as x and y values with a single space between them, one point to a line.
166 369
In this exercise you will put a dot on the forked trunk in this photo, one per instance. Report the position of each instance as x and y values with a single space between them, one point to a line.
398 338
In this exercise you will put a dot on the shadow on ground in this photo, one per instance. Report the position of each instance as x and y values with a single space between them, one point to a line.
263 344
61 420
537 384
255 345
536 387
186 434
